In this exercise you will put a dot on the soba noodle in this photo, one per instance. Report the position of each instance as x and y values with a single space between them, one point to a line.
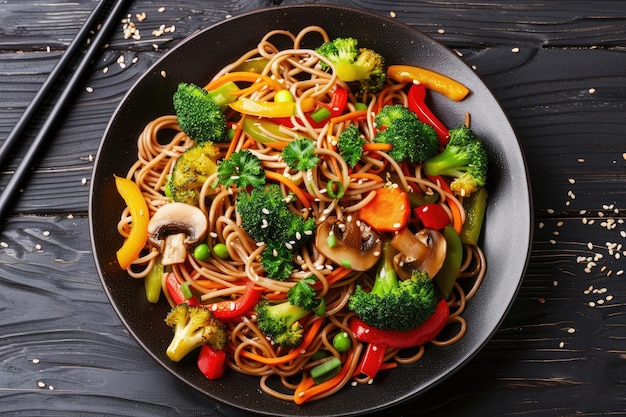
216 279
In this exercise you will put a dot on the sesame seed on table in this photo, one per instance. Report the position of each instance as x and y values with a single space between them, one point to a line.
557 70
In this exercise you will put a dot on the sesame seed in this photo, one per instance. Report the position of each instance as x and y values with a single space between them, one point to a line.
161 9
35 361
592 90
571 330
89 89
392 13
41 384
515 50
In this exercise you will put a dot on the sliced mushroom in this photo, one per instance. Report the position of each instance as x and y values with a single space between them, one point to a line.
423 251
356 245
174 228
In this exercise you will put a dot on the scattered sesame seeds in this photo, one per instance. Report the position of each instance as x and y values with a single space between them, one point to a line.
161 9
41 384
515 50
46 233
83 181
441 31
392 13
163 74
89 89
4 244
35 361
592 90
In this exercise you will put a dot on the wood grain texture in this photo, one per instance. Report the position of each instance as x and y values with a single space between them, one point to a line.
559 352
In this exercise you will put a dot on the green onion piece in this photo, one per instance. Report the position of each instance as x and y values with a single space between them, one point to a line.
230 133
321 307
326 370
184 288
320 354
334 189
360 106
346 264
331 240
320 114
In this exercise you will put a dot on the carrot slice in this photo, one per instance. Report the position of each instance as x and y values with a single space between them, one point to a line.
388 211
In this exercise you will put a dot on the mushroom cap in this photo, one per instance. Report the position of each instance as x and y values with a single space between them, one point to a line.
356 245
177 218
423 251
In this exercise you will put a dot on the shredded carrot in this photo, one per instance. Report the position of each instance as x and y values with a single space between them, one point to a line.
366 176
243 76
371 147
353 115
457 219
308 338
307 389
302 196
249 143
235 140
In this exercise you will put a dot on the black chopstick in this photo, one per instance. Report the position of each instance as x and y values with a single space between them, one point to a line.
94 48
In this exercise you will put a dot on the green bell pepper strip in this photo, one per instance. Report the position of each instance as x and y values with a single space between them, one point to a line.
258 128
152 282
475 207
446 277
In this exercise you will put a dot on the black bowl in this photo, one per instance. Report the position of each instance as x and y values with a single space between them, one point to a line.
195 60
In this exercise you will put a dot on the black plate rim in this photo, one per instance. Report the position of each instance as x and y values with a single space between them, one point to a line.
318 408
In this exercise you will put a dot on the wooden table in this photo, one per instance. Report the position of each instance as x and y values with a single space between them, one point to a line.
559 71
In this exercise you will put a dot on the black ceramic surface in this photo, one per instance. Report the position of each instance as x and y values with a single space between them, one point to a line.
507 232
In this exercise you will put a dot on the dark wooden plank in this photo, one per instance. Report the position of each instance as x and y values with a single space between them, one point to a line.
56 313
546 107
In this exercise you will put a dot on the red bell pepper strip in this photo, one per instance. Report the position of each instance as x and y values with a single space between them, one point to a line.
336 106
416 102
212 362
398 339
432 216
372 360
173 288
229 310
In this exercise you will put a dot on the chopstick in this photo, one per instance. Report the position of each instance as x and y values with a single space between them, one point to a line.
25 165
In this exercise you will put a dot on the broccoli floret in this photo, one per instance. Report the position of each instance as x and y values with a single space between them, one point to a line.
279 322
199 114
266 217
394 304
355 64
350 145
411 139
190 171
193 327
464 158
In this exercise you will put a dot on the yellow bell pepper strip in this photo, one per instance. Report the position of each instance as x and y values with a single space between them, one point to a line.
270 108
446 277
450 88
140 217
243 76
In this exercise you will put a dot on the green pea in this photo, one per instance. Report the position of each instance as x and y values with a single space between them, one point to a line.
283 96
221 251
201 252
342 342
